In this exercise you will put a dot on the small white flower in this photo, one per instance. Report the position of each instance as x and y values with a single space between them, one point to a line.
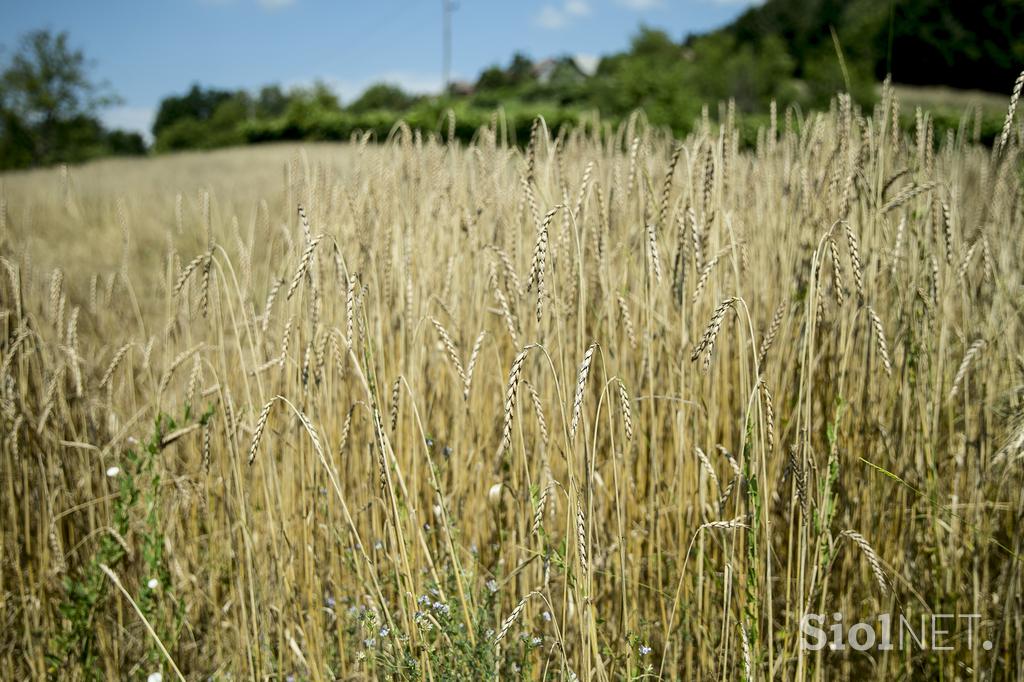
153 583
155 677
644 649
492 585
111 472
546 616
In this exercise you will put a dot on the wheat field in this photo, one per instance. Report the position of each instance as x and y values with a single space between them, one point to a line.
604 405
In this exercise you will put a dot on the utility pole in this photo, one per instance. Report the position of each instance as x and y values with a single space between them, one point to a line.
447 7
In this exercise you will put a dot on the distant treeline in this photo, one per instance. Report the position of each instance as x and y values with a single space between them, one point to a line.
796 52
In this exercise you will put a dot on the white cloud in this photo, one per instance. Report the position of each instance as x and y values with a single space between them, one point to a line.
554 17
578 8
551 17
642 4
135 119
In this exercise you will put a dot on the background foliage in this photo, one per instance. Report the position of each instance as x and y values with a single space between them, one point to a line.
797 52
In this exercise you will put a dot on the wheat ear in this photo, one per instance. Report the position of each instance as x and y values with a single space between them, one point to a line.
581 384
510 398
876 565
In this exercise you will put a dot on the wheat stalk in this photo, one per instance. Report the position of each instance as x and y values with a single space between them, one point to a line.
837 271
627 412
706 465
1004 136
449 346
545 491
474 355
304 261
510 398
876 566
115 362
706 346
627 321
883 347
703 279
961 371
271 297
769 414
666 188
858 270
581 384
581 535
906 195
652 245
261 423
512 617
395 394
773 330
539 411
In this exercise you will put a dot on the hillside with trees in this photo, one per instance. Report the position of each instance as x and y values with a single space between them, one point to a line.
793 52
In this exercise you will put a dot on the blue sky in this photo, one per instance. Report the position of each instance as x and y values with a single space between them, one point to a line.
147 49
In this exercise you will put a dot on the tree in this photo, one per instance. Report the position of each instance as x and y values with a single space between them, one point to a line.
197 104
382 96
48 102
271 102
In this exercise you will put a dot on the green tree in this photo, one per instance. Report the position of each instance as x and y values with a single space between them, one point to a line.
271 102
198 104
48 102
383 96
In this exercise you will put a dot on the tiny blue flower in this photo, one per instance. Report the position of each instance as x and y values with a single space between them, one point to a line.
370 643
384 631
430 442
447 451
546 616
329 602
644 649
